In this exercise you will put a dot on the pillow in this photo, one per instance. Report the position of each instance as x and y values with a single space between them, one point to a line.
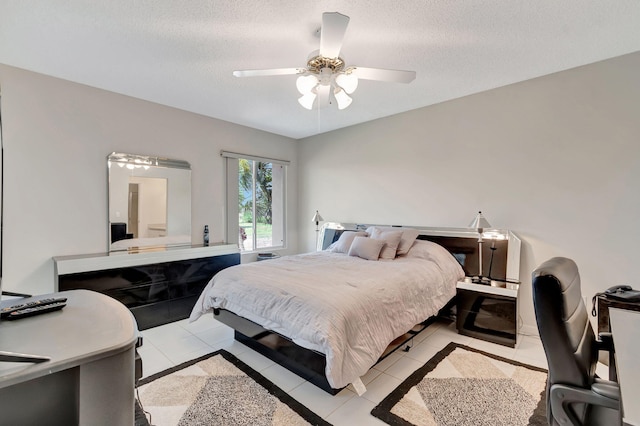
409 235
344 242
366 248
433 252
391 239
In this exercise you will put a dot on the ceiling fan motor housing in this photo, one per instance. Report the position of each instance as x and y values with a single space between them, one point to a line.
318 63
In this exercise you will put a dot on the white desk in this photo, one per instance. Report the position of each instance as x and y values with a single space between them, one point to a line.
89 378
625 328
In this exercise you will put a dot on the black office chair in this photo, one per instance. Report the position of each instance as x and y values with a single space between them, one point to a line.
575 396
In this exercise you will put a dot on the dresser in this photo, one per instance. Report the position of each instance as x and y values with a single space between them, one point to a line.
158 285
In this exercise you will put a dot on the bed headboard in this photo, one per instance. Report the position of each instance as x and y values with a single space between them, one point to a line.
462 243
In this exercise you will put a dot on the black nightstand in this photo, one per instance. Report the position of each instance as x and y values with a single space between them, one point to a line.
487 312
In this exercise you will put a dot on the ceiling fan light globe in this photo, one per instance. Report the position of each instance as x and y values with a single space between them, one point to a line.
348 82
306 83
342 98
307 100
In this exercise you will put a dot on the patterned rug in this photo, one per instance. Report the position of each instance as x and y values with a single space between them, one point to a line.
217 389
464 386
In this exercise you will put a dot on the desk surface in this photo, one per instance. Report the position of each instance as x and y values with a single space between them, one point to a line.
91 327
625 328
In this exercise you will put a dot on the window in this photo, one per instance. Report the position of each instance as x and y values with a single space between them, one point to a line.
255 202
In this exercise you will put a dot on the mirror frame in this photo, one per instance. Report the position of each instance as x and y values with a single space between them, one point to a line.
132 161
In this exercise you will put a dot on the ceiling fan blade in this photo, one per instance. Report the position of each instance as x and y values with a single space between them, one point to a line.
394 76
334 26
274 71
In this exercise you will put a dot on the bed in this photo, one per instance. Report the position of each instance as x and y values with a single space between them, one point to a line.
294 338
331 315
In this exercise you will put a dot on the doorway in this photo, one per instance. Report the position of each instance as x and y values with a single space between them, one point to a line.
132 225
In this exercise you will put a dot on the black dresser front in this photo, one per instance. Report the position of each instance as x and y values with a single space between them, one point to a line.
156 294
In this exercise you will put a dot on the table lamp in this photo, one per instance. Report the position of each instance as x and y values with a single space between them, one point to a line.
479 223
317 219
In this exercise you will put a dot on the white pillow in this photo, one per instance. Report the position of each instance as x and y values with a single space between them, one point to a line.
391 239
428 250
344 242
366 248
433 252
409 235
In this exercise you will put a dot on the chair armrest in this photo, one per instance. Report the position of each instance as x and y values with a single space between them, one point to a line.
562 396
607 389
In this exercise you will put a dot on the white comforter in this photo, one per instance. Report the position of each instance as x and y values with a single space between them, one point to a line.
345 307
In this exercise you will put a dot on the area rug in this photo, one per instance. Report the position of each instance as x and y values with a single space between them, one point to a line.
217 389
465 386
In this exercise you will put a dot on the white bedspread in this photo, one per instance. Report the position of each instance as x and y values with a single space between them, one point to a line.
345 307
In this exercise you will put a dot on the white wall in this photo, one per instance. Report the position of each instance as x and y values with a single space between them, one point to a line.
57 136
555 159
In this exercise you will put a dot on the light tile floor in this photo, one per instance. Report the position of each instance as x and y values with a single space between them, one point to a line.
174 343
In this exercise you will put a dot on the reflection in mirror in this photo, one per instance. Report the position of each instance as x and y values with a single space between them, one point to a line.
149 201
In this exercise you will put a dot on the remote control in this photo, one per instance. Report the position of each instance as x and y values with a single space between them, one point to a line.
5 312
36 310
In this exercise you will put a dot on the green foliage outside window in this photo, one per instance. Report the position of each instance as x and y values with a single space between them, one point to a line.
255 178
263 188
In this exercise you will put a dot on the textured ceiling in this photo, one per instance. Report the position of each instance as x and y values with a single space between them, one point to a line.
182 53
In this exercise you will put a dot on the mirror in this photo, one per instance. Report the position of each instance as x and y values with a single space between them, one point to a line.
149 202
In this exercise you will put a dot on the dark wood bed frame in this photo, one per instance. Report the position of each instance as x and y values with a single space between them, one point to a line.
310 364
306 363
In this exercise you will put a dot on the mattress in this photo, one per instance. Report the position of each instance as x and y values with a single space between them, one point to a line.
345 307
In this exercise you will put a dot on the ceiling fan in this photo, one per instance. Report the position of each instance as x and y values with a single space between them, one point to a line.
326 77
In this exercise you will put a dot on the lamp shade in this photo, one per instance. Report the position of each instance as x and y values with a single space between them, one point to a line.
306 83
342 98
349 82
479 223
307 100
317 218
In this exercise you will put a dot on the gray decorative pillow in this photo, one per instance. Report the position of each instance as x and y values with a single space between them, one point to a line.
366 248
409 235
391 239
344 242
